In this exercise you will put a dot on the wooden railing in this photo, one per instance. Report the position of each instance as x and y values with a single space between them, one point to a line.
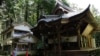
84 52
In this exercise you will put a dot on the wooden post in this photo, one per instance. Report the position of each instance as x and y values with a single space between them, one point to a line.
44 44
79 35
82 45
55 49
59 44
59 41
89 41
78 39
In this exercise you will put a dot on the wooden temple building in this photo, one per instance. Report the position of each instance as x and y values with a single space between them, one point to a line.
17 37
66 32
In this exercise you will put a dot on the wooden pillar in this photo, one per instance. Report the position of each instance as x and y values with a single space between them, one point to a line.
78 39
59 41
59 44
44 44
79 35
43 41
89 41
82 42
55 46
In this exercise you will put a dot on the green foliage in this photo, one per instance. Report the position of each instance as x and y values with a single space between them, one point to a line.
94 10
48 6
96 14
97 38
65 2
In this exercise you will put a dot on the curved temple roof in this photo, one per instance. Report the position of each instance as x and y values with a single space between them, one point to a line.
74 13
51 18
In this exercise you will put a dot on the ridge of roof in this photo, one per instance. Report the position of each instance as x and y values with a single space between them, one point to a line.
62 6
